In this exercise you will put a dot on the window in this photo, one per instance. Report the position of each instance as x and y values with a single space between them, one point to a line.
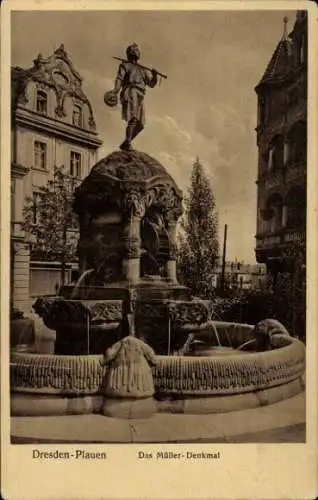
262 110
301 50
76 165
276 153
265 110
41 102
274 209
77 116
301 57
270 159
40 155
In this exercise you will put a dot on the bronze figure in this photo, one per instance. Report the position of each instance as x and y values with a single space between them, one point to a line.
131 82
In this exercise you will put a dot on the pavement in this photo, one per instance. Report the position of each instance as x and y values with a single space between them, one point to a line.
277 423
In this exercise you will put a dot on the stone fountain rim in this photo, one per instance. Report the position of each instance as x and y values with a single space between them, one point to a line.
43 373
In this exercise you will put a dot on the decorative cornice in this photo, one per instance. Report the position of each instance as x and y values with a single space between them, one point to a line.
19 171
57 128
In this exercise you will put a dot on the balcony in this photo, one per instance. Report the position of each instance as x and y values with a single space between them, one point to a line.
279 239
276 178
295 171
268 241
293 236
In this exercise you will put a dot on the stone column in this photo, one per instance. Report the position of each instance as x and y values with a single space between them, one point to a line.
171 264
131 260
134 207
270 160
21 275
286 152
19 201
284 216
20 257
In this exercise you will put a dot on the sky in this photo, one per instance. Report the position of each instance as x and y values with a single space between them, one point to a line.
206 108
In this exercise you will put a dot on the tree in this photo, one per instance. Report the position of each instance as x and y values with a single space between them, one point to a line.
282 296
50 224
198 244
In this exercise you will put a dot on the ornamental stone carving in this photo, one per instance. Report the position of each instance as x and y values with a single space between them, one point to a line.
131 247
190 312
106 311
59 111
127 194
130 374
58 311
130 165
134 204
58 73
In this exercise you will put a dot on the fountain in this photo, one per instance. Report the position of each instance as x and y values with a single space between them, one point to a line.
128 208
130 340
128 317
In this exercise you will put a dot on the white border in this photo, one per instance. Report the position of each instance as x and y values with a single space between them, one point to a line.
246 470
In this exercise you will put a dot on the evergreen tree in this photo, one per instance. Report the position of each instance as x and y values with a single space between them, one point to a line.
198 244
50 224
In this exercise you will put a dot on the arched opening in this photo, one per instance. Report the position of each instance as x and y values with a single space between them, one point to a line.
155 244
301 49
275 154
296 208
274 212
297 143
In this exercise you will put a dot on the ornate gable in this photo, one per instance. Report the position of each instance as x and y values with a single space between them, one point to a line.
56 72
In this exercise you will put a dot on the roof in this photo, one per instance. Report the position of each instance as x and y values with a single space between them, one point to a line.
279 64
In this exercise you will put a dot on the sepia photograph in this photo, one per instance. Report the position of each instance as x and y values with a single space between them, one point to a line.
158 241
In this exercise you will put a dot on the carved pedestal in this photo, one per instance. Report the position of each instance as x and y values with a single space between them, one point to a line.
128 208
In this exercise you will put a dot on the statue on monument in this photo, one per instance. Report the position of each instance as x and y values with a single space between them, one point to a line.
131 82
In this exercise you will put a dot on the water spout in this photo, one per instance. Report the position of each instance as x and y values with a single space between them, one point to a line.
211 323
80 281
26 339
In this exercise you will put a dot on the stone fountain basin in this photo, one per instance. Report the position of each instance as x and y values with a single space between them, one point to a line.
204 350
56 384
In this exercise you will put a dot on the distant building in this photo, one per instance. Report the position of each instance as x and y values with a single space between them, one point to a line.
240 276
52 125
282 147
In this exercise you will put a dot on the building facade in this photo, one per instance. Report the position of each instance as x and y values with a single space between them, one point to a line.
52 126
282 146
240 276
